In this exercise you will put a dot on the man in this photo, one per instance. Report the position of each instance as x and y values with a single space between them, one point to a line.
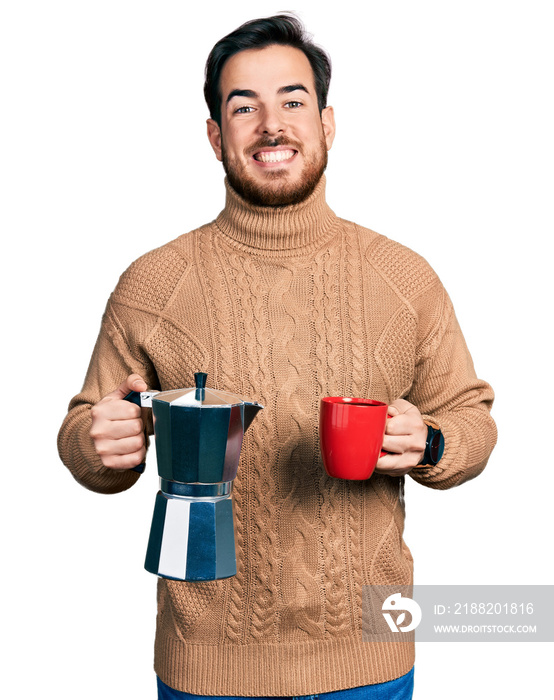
280 301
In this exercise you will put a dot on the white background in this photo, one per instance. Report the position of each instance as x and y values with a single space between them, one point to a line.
444 143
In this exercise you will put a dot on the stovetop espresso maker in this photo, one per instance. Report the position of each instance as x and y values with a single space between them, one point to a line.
198 434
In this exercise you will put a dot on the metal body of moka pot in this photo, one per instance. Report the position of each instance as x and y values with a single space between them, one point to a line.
198 434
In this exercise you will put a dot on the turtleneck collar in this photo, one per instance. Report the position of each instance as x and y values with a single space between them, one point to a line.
279 230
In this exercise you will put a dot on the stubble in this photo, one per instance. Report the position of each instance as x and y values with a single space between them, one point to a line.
277 190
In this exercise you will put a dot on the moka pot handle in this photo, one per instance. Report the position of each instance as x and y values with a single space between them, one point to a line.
142 399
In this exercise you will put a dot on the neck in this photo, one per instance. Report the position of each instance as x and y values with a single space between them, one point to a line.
277 230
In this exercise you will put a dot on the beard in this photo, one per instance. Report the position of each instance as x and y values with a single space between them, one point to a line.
278 191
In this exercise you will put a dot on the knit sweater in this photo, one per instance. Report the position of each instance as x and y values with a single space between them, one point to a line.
284 306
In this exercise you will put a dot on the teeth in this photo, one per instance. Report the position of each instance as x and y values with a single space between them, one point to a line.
273 156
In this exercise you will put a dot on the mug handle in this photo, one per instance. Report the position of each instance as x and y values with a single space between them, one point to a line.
384 452
134 397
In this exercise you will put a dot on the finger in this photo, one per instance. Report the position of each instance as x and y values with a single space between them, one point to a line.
124 462
398 471
403 424
402 406
114 410
134 382
394 465
393 445
403 444
396 459
116 429
117 448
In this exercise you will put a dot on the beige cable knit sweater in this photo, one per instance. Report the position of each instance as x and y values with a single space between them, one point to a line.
284 306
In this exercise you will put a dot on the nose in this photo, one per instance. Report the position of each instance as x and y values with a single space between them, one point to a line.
271 122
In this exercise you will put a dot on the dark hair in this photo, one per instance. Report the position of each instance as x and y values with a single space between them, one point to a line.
283 29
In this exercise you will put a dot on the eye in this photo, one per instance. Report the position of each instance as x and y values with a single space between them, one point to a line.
293 104
243 110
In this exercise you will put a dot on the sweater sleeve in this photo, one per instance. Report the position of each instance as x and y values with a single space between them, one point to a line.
111 362
447 391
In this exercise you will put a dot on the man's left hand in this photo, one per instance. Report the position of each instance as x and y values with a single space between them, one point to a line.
405 438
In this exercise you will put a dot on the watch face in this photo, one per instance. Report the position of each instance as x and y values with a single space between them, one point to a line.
436 447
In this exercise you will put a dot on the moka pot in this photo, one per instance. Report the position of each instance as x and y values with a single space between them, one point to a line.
198 434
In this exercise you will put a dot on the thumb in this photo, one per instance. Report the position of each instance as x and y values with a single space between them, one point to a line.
393 411
134 382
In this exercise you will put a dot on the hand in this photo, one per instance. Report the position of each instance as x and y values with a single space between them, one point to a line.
405 438
117 427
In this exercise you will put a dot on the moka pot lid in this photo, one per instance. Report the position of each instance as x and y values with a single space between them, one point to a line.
199 396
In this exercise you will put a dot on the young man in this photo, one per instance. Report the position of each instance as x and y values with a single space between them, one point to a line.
281 301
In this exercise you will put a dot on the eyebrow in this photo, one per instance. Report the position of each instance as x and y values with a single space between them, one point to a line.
292 88
281 91
241 93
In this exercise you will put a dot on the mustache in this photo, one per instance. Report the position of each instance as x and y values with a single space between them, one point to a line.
266 142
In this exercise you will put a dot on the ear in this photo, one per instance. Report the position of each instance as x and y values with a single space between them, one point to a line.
214 137
328 124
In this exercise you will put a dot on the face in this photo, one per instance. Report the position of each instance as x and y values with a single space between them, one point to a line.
273 142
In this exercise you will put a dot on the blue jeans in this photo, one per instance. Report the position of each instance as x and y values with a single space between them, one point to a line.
399 689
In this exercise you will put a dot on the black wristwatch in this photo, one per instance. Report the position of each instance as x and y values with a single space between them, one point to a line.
434 447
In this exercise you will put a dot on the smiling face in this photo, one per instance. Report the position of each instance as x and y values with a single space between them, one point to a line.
273 142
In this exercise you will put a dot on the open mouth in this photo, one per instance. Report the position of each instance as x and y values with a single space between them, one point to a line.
274 156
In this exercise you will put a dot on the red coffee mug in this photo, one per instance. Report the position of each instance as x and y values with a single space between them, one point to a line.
351 433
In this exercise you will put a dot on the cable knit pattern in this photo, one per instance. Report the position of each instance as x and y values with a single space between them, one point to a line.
408 272
260 621
142 281
284 306
168 335
395 352
355 337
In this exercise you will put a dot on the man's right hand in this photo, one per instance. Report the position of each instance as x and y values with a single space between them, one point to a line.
117 427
